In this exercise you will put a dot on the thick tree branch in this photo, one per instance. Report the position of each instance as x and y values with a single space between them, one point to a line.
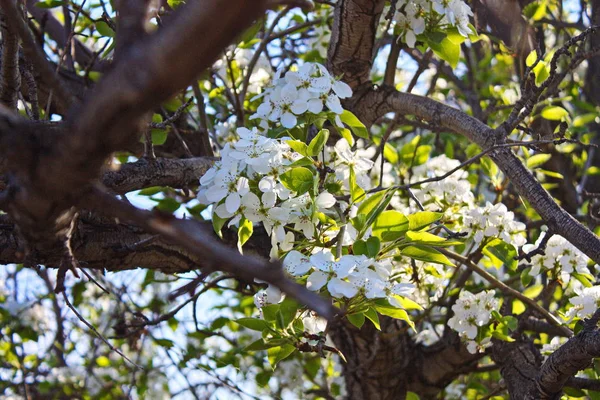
32 52
53 171
130 24
386 99
352 40
10 83
519 363
216 256
571 357
173 172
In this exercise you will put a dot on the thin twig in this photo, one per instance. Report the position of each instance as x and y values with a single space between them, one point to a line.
93 329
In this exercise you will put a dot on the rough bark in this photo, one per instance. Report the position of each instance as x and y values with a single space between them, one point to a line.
376 361
9 73
157 172
572 357
519 363
352 40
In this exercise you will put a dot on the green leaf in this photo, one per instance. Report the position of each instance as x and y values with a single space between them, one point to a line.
371 314
104 29
540 12
359 248
276 354
299 179
253 323
175 3
554 113
446 50
525 277
390 225
455 36
412 396
407 303
574 393
373 207
533 291
357 127
511 322
373 246
168 205
537 160
426 253
218 223
287 312
501 336
346 134
318 142
244 232
356 192
542 72
298 146
249 33
303 162
396 313
159 136
370 203
502 251
531 58
151 190
424 238
551 174
270 312
582 120
50 4
583 279
390 153
358 320
423 219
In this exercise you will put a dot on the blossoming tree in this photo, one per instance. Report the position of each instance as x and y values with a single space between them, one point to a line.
360 199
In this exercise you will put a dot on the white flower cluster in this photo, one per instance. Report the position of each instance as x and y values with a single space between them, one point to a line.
244 184
343 159
446 194
307 90
493 221
412 17
348 276
559 255
585 303
472 311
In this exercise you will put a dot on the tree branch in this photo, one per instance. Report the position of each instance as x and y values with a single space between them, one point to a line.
576 354
386 99
32 52
173 172
10 83
352 40
216 256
